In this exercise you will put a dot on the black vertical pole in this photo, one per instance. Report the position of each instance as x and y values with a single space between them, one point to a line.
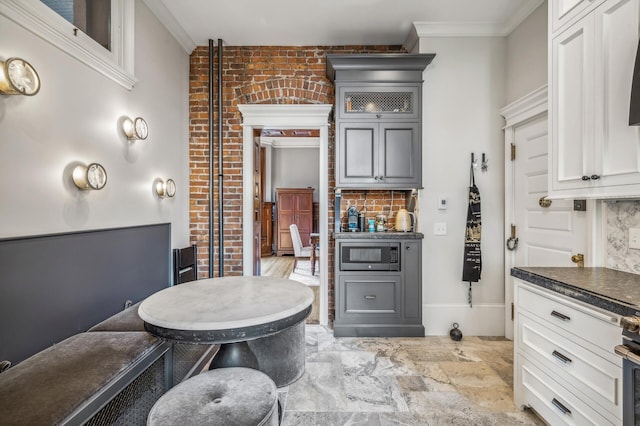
220 171
211 204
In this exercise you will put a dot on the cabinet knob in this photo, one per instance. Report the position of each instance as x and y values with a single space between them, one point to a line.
595 177
586 178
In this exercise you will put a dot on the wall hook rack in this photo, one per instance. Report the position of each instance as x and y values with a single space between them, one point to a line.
484 166
474 162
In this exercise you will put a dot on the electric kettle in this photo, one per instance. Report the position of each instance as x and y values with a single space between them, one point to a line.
404 220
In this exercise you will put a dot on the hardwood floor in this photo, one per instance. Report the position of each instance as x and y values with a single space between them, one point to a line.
276 266
281 267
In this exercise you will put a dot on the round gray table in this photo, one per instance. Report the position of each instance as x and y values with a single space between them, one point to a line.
258 321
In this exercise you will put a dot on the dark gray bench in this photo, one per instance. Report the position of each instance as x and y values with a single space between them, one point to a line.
70 382
112 374
186 359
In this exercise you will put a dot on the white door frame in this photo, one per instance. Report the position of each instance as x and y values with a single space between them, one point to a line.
515 114
313 116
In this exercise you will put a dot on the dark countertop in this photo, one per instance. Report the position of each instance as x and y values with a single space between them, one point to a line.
612 290
378 235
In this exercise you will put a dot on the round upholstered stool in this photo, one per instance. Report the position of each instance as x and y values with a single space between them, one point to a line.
224 396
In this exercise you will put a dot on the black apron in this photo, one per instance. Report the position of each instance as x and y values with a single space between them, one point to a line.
472 264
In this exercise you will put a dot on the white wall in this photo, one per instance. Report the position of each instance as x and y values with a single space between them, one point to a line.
463 90
296 168
527 55
74 119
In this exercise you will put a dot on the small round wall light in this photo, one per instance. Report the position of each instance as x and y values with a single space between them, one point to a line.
135 129
165 189
18 77
93 176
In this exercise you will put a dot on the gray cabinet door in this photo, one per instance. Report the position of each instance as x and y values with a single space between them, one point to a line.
412 268
399 154
357 160
370 298
378 154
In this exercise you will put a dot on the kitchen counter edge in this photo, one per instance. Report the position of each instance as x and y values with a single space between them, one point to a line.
600 287
378 236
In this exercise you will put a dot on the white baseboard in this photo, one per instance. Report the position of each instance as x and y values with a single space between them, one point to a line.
479 320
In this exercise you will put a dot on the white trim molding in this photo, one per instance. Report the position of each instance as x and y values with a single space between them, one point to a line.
469 29
290 142
526 107
171 24
481 320
117 64
314 116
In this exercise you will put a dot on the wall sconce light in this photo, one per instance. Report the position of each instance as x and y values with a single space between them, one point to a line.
165 189
135 129
93 176
18 77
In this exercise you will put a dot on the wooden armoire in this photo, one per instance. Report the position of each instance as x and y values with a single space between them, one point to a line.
293 205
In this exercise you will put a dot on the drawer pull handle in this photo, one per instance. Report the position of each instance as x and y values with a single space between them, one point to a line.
563 317
560 406
370 296
561 357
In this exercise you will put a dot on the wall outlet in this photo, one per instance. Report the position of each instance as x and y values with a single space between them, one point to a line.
634 238
440 228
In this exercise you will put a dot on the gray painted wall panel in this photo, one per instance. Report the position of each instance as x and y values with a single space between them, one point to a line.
55 286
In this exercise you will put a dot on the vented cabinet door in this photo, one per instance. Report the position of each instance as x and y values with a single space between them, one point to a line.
400 102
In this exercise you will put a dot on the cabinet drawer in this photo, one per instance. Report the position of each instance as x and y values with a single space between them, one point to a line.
581 323
556 404
594 376
371 298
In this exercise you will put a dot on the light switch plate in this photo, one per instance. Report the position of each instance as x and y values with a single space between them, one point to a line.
440 228
442 203
634 238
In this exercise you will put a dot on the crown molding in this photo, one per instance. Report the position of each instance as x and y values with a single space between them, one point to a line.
292 116
171 24
470 29
521 14
526 107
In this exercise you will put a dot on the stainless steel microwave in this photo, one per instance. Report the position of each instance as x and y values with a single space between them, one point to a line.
369 256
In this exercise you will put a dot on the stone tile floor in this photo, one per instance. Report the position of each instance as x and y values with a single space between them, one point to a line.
429 381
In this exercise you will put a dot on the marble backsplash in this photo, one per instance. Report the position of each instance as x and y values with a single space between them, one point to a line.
622 215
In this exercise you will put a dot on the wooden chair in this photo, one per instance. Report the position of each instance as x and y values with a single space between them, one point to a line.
300 251
185 264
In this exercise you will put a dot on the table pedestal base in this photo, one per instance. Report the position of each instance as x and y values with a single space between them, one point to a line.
282 355
234 355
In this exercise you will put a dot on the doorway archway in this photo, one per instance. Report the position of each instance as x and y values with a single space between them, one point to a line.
309 116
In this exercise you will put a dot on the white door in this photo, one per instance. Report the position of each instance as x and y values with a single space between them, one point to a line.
547 236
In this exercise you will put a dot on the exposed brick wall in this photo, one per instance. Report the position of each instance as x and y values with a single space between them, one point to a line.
252 75
375 202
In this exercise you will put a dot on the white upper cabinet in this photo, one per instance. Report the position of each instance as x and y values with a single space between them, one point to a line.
594 152
563 12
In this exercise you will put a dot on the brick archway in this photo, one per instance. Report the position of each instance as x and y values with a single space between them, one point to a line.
285 91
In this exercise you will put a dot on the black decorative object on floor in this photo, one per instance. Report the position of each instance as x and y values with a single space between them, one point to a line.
455 332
